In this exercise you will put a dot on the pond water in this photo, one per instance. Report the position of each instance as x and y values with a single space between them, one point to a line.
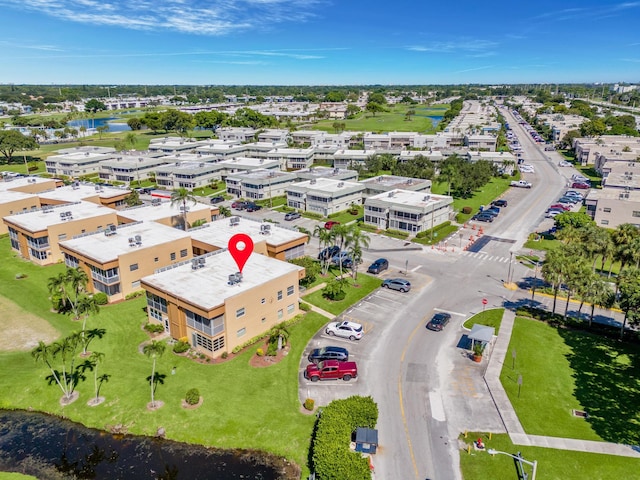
48 447
99 122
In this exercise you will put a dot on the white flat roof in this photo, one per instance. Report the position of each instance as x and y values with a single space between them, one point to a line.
38 220
70 194
409 198
103 248
208 287
18 182
7 196
327 185
80 157
148 213
219 232
249 162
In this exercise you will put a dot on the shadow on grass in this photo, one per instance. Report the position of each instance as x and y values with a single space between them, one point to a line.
607 375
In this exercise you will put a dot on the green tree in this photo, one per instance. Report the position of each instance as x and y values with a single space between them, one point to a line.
134 123
63 353
96 359
324 240
102 129
180 197
356 241
373 163
623 239
279 335
373 107
596 292
153 350
628 283
311 269
86 306
12 141
133 199
573 219
553 271
94 106
68 285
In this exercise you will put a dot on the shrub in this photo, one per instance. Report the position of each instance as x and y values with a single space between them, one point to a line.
305 307
180 347
467 210
154 328
193 396
260 352
101 298
225 355
134 295
272 349
309 403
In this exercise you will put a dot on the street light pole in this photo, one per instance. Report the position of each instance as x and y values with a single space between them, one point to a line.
519 458
509 271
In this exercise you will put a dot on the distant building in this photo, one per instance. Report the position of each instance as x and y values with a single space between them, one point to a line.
171 145
259 184
79 161
166 214
324 195
387 183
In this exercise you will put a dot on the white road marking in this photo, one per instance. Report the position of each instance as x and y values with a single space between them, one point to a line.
415 268
437 408
449 311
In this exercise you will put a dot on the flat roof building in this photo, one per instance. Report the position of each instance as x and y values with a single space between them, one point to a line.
246 164
172 145
77 163
215 309
130 166
115 259
259 184
350 158
29 184
292 158
16 202
172 216
268 239
324 195
407 211
326 172
610 207
236 134
35 235
386 183
218 152
188 174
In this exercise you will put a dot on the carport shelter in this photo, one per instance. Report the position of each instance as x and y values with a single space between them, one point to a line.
481 333
366 440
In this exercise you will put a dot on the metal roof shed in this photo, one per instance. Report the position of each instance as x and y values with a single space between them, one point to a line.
481 333
366 440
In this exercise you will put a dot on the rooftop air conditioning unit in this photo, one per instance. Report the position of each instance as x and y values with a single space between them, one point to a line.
426 198
233 221
238 277
62 216
194 264
138 240
340 184
132 242
313 181
232 279
202 262
391 193
265 229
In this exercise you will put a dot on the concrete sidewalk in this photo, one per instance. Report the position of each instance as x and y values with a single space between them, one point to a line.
508 415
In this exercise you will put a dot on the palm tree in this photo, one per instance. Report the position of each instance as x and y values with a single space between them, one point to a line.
66 350
280 334
553 271
153 350
324 239
44 353
86 306
597 293
180 197
576 271
356 241
96 358
623 237
628 283
224 211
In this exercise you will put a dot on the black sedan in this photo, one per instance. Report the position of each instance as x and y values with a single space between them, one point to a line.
328 353
483 217
439 321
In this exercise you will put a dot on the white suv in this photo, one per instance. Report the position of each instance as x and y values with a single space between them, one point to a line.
350 330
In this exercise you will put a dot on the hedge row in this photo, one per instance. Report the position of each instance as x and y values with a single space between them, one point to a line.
331 457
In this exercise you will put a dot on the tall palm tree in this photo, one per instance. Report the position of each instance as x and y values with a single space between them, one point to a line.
623 238
44 353
553 271
87 306
324 240
66 349
96 358
597 293
628 283
153 350
180 197
356 241
69 285
576 270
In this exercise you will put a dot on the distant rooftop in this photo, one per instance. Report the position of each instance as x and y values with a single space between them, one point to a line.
38 220
149 213
73 193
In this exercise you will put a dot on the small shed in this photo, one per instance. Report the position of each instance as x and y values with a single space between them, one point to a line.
366 440
481 333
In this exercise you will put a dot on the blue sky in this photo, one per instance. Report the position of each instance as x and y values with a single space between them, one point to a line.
318 42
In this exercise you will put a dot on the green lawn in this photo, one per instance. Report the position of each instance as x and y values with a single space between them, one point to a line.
366 285
490 318
345 216
566 369
552 464
439 234
244 407
391 121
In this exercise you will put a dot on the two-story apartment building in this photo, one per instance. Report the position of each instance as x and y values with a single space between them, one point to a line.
188 175
129 167
259 184
88 192
170 215
292 158
78 161
116 258
217 310
324 195
387 183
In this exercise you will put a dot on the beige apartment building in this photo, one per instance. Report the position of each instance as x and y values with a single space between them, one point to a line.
35 235
16 202
85 192
166 214
116 258
217 310
611 207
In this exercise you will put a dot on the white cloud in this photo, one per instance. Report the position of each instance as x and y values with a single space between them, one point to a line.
455 46
200 17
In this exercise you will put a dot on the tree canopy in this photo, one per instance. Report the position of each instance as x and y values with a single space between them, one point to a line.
94 106
12 141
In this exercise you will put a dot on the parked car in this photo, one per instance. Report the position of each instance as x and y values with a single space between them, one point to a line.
330 224
378 266
560 206
399 284
553 213
340 257
571 200
483 217
573 193
252 207
500 203
564 163
217 200
328 252
331 370
292 216
495 211
580 185
521 184
239 205
439 321
345 329
328 353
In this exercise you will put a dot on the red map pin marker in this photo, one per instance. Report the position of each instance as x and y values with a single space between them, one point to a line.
240 247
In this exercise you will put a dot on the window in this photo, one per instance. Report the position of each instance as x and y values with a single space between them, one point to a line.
155 259
135 284
279 294
290 290
154 301
606 210
264 319
153 313
294 252
240 312
604 222
206 343
291 308
207 326
241 332
133 267
173 256
71 261
62 236
280 313
636 213
263 301
183 253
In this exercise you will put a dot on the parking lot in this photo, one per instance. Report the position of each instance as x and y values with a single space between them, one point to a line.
377 314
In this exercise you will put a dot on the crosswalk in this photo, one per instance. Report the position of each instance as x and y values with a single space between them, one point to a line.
485 256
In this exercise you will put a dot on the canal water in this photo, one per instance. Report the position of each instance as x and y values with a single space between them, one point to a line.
48 447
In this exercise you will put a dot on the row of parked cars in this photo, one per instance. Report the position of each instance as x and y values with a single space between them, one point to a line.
489 214
246 206
565 203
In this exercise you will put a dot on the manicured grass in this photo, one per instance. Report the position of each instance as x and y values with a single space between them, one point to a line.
564 369
439 234
492 190
345 216
15 476
552 464
366 285
391 121
243 407
490 318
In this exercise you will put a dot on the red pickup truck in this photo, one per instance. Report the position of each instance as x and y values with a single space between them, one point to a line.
331 370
